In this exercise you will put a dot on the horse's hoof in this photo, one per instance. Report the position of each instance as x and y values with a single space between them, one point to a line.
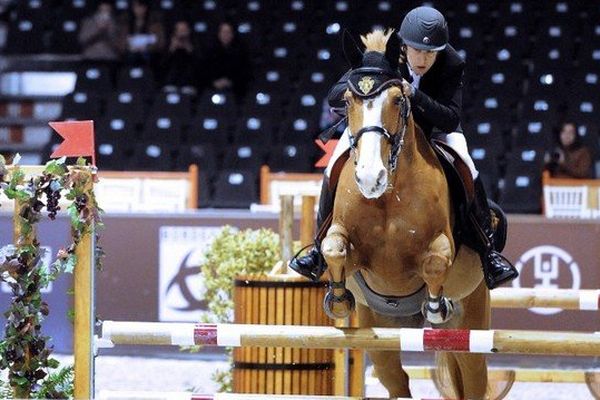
440 314
338 307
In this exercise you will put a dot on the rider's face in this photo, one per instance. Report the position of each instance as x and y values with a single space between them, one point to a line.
420 61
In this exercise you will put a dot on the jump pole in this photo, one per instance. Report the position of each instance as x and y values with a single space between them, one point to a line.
326 337
567 299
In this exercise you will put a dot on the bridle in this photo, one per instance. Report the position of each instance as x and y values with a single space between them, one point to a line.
396 139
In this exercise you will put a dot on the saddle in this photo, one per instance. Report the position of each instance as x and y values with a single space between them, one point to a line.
462 192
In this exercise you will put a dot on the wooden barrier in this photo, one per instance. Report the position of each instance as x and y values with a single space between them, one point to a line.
324 337
287 300
581 197
140 188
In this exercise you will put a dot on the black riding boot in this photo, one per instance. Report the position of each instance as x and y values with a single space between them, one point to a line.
313 265
496 268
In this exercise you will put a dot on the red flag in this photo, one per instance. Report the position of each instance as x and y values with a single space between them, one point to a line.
328 149
79 139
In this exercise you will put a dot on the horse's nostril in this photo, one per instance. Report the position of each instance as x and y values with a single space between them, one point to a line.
381 176
358 180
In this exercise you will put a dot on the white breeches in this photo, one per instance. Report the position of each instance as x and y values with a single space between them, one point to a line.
456 140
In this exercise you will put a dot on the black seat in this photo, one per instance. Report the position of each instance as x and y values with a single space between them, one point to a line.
306 104
209 129
162 129
275 80
250 157
81 106
136 79
173 105
26 36
533 133
291 158
484 133
216 103
94 79
521 193
123 104
317 81
203 155
65 36
151 156
299 130
110 157
262 103
235 189
254 129
118 130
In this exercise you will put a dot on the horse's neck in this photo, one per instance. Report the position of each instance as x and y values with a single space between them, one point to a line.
416 155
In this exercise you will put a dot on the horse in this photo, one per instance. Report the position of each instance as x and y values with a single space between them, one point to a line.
392 230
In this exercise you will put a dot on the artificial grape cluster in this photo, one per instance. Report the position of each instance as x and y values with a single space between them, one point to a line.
81 202
51 188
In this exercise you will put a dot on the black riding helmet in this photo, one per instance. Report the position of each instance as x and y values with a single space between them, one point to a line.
424 28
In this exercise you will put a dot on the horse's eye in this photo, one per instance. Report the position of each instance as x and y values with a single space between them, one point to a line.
398 100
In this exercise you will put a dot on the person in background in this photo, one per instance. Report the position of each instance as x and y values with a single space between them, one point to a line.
570 159
229 67
180 61
99 35
142 34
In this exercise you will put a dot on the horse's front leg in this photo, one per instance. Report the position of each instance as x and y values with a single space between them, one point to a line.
339 301
435 267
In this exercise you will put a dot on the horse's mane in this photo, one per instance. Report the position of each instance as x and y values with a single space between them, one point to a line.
376 40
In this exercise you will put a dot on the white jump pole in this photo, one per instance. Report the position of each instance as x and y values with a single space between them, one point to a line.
567 299
327 337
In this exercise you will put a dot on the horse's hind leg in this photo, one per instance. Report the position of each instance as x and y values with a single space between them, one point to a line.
387 364
469 370
435 266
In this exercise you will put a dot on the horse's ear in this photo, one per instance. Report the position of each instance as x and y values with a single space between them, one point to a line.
352 52
392 51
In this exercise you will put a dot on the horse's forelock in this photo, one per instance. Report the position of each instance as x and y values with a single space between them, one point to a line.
376 40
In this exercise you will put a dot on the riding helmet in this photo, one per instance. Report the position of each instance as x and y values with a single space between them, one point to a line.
424 28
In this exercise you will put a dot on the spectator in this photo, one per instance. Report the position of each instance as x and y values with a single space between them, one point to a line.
99 35
570 159
180 62
229 67
142 34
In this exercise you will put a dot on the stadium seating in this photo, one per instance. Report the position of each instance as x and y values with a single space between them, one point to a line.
530 65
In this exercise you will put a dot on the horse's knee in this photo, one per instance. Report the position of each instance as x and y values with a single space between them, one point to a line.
435 266
438 258
335 245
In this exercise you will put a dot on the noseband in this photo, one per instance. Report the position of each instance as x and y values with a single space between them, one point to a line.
396 139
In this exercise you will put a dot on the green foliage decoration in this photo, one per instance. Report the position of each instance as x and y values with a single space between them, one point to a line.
24 352
232 253
235 253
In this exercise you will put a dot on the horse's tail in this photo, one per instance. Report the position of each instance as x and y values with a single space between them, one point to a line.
464 375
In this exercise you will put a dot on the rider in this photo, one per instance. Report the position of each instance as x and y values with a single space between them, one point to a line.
432 73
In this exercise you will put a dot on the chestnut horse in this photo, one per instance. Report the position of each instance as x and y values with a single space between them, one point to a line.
391 231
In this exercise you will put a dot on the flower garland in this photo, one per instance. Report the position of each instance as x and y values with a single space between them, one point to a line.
23 351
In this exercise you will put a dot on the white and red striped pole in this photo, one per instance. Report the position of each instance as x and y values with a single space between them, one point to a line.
328 337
